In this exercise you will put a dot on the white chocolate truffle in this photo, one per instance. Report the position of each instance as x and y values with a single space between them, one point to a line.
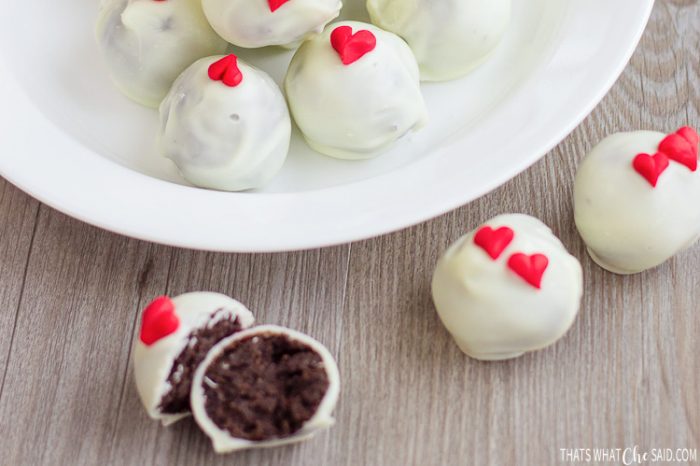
265 387
225 125
354 90
148 43
637 199
175 336
259 23
450 38
507 288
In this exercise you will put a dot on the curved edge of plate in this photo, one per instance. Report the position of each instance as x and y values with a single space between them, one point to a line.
110 184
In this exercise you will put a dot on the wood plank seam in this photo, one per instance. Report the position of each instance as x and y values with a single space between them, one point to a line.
21 296
127 367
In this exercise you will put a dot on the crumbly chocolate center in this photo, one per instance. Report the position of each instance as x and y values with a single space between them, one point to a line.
265 386
199 342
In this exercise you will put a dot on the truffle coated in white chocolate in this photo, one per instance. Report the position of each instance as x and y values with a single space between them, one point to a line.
491 311
253 24
153 363
358 110
221 137
148 43
222 441
629 225
450 38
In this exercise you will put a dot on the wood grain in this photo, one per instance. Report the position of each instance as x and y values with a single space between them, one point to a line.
627 373
18 213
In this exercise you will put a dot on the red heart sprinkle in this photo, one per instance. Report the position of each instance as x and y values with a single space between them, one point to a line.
351 47
275 4
650 167
690 134
226 70
682 147
159 320
494 242
529 268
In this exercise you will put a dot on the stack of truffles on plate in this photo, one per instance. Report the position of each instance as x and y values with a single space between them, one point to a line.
352 88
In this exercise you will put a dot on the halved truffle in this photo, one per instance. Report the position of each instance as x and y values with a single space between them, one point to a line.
176 335
264 387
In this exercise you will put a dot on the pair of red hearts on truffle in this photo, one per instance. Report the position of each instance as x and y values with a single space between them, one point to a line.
680 147
530 268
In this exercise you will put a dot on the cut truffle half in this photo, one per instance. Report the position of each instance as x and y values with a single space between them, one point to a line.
176 335
265 387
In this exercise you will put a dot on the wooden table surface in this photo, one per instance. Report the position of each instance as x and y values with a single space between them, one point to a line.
628 372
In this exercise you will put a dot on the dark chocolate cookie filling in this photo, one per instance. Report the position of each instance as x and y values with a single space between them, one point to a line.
265 386
199 342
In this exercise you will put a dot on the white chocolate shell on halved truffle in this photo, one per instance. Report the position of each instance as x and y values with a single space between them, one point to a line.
354 90
637 199
450 38
507 288
264 387
175 336
260 23
225 124
148 43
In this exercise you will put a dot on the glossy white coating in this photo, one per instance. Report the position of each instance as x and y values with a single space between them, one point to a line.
628 225
449 37
355 111
221 137
253 24
152 364
147 44
494 314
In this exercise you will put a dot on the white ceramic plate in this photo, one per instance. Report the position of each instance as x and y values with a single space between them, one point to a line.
72 141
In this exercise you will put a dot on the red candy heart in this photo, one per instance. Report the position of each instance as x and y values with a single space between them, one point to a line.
274 4
226 70
351 47
159 320
690 135
650 167
494 242
682 147
529 268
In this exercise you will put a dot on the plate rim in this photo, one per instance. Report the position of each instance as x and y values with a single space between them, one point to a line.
174 230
